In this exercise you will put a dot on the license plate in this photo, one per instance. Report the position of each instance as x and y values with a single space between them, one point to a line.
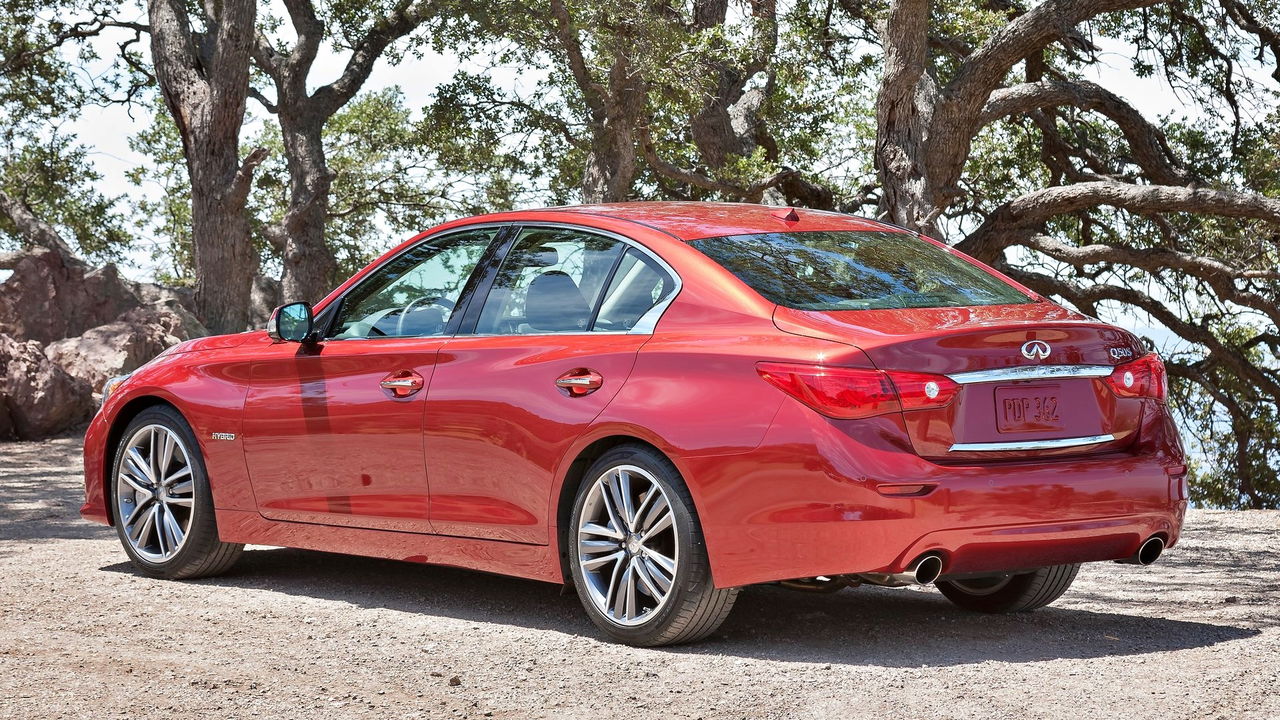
1027 409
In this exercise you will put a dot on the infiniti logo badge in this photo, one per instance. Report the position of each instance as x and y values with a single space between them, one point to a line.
1035 349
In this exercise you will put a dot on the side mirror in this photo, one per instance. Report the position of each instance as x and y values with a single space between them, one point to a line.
291 323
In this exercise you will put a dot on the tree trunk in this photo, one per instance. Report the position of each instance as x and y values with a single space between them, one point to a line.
903 110
225 258
612 162
204 78
309 263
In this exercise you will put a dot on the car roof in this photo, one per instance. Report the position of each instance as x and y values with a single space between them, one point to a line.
696 220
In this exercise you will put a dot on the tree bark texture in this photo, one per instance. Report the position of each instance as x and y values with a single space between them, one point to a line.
310 267
204 77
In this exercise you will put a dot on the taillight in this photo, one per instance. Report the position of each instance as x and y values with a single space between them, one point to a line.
850 393
1144 377
922 390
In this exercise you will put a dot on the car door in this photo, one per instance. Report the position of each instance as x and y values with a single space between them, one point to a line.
550 345
333 429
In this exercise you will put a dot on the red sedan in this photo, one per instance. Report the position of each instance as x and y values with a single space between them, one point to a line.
660 403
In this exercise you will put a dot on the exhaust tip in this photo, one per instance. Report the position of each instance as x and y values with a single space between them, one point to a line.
1150 551
1147 553
928 568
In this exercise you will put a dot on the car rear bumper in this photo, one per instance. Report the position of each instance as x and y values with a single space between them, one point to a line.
818 498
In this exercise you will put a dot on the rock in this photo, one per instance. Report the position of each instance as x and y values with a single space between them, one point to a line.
48 298
123 345
37 397
265 297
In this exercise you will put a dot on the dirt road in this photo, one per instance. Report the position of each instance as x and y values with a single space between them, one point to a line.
304 634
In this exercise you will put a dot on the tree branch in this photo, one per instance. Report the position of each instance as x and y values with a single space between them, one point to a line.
238 190
1046 23
1218 275
593 93
1147 143
1268 38
396 24
266 104
35 230
749 193
75 31
1016 220
957 117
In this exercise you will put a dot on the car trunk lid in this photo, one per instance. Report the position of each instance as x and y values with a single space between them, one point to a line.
1031 376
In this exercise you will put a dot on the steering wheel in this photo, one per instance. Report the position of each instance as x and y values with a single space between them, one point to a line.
443 302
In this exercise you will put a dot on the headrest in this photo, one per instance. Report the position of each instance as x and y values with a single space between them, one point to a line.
553 303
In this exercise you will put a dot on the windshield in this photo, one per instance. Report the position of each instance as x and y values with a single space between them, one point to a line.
856 271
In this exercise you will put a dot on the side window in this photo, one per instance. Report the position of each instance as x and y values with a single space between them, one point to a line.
550 282
414 294
638 284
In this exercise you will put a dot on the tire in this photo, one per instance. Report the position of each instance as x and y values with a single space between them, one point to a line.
1010 593
188 547
610 558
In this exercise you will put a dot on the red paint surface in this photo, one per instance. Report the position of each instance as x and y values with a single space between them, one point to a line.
469 471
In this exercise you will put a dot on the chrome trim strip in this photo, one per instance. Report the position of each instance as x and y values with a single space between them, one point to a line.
1032 444
1032 372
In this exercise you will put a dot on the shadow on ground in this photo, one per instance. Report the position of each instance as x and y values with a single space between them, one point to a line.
863 626
41 491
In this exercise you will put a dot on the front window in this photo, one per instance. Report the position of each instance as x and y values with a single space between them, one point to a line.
415 293
866 270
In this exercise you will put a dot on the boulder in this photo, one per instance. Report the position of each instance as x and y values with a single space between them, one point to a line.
37 397
264 298
49 297
124 344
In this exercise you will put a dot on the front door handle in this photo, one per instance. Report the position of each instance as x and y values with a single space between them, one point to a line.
402 383
579 382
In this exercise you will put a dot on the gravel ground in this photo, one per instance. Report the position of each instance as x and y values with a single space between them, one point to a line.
304 634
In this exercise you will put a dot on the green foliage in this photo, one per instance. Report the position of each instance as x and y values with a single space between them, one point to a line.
41 89
385 186
55 178
1232 431
162 211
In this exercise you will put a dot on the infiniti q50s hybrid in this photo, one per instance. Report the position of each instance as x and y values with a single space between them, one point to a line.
659 403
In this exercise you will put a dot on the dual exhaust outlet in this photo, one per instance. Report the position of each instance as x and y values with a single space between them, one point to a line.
928 568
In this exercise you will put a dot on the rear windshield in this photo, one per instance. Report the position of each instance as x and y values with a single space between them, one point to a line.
856 271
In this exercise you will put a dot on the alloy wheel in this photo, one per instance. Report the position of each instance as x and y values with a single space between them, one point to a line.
627 547
155 493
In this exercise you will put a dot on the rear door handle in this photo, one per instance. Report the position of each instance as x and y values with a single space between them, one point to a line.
579 382
402 383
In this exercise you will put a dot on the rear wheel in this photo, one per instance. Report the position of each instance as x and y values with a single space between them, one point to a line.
1010 593
637 554
161 500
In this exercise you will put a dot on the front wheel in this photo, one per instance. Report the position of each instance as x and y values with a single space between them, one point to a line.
1010 593
161 500
637 553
